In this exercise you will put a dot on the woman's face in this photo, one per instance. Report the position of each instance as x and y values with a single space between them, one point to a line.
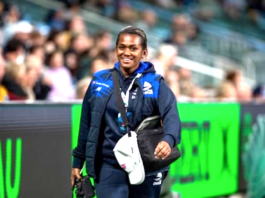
81 43
57 60
129 52
31 78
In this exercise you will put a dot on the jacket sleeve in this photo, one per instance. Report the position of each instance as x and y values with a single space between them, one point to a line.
167 105
80 151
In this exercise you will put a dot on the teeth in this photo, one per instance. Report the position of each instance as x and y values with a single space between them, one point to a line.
126 60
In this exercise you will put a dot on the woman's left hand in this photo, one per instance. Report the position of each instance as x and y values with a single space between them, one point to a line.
162 150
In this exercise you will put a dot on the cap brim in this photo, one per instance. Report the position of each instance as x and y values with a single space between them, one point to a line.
137 176
123 153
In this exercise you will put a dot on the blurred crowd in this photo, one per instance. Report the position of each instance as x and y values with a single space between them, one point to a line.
55 62
252 10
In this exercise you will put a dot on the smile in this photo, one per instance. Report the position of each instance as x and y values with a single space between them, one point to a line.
126 60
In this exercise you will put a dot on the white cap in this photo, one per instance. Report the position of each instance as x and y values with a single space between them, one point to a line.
24 27
128 155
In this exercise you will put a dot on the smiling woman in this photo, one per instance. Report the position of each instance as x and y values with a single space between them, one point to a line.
131 47
143 94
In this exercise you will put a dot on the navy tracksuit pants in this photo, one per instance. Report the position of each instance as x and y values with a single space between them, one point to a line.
113 182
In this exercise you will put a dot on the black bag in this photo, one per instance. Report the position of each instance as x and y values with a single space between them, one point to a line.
149 134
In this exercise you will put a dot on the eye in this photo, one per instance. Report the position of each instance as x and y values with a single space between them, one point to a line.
121 47
133 48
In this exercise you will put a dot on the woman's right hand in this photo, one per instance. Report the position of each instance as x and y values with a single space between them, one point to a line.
75 174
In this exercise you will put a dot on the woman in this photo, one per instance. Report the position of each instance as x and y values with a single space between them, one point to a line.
15 81
101 128
62 88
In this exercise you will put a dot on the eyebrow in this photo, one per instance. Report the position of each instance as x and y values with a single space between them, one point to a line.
133 45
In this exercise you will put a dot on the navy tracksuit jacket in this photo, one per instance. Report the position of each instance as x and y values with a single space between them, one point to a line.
101 126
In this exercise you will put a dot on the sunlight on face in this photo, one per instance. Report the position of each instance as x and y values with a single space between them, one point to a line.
129 52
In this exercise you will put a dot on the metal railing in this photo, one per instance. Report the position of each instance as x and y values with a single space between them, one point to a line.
254 64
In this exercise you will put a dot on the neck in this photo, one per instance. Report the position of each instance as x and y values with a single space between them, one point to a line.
127 72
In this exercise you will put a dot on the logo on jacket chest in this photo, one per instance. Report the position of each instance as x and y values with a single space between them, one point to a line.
147 88
100 89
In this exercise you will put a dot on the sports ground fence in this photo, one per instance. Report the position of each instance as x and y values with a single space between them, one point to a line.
36 142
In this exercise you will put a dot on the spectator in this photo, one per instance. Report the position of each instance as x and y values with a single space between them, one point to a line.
23 32
180 22
78 54
81 43
186 84
226 92
183 31
126 13
112 56
14 51
148 20
36 39
10 17
172 79
83 54
72 8
255 10
243 90
197 94
3 90
179 39
81 87
12 14
55 20
192 32
14 81
172 76
149 23
62 41
3 7
98 64
259 93
31 78
234 8
165 58
38 51
76 25
62 87
43 83
50 44
102 42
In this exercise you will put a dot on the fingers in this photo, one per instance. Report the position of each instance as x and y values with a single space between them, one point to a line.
162 150
72 181
75 174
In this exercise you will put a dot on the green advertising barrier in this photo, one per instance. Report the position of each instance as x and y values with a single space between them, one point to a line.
209 146
210 150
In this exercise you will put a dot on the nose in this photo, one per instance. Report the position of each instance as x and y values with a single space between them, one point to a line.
127 51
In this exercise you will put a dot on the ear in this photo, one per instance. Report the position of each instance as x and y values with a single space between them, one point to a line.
145 53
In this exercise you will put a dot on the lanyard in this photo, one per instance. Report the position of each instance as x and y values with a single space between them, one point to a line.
125 97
